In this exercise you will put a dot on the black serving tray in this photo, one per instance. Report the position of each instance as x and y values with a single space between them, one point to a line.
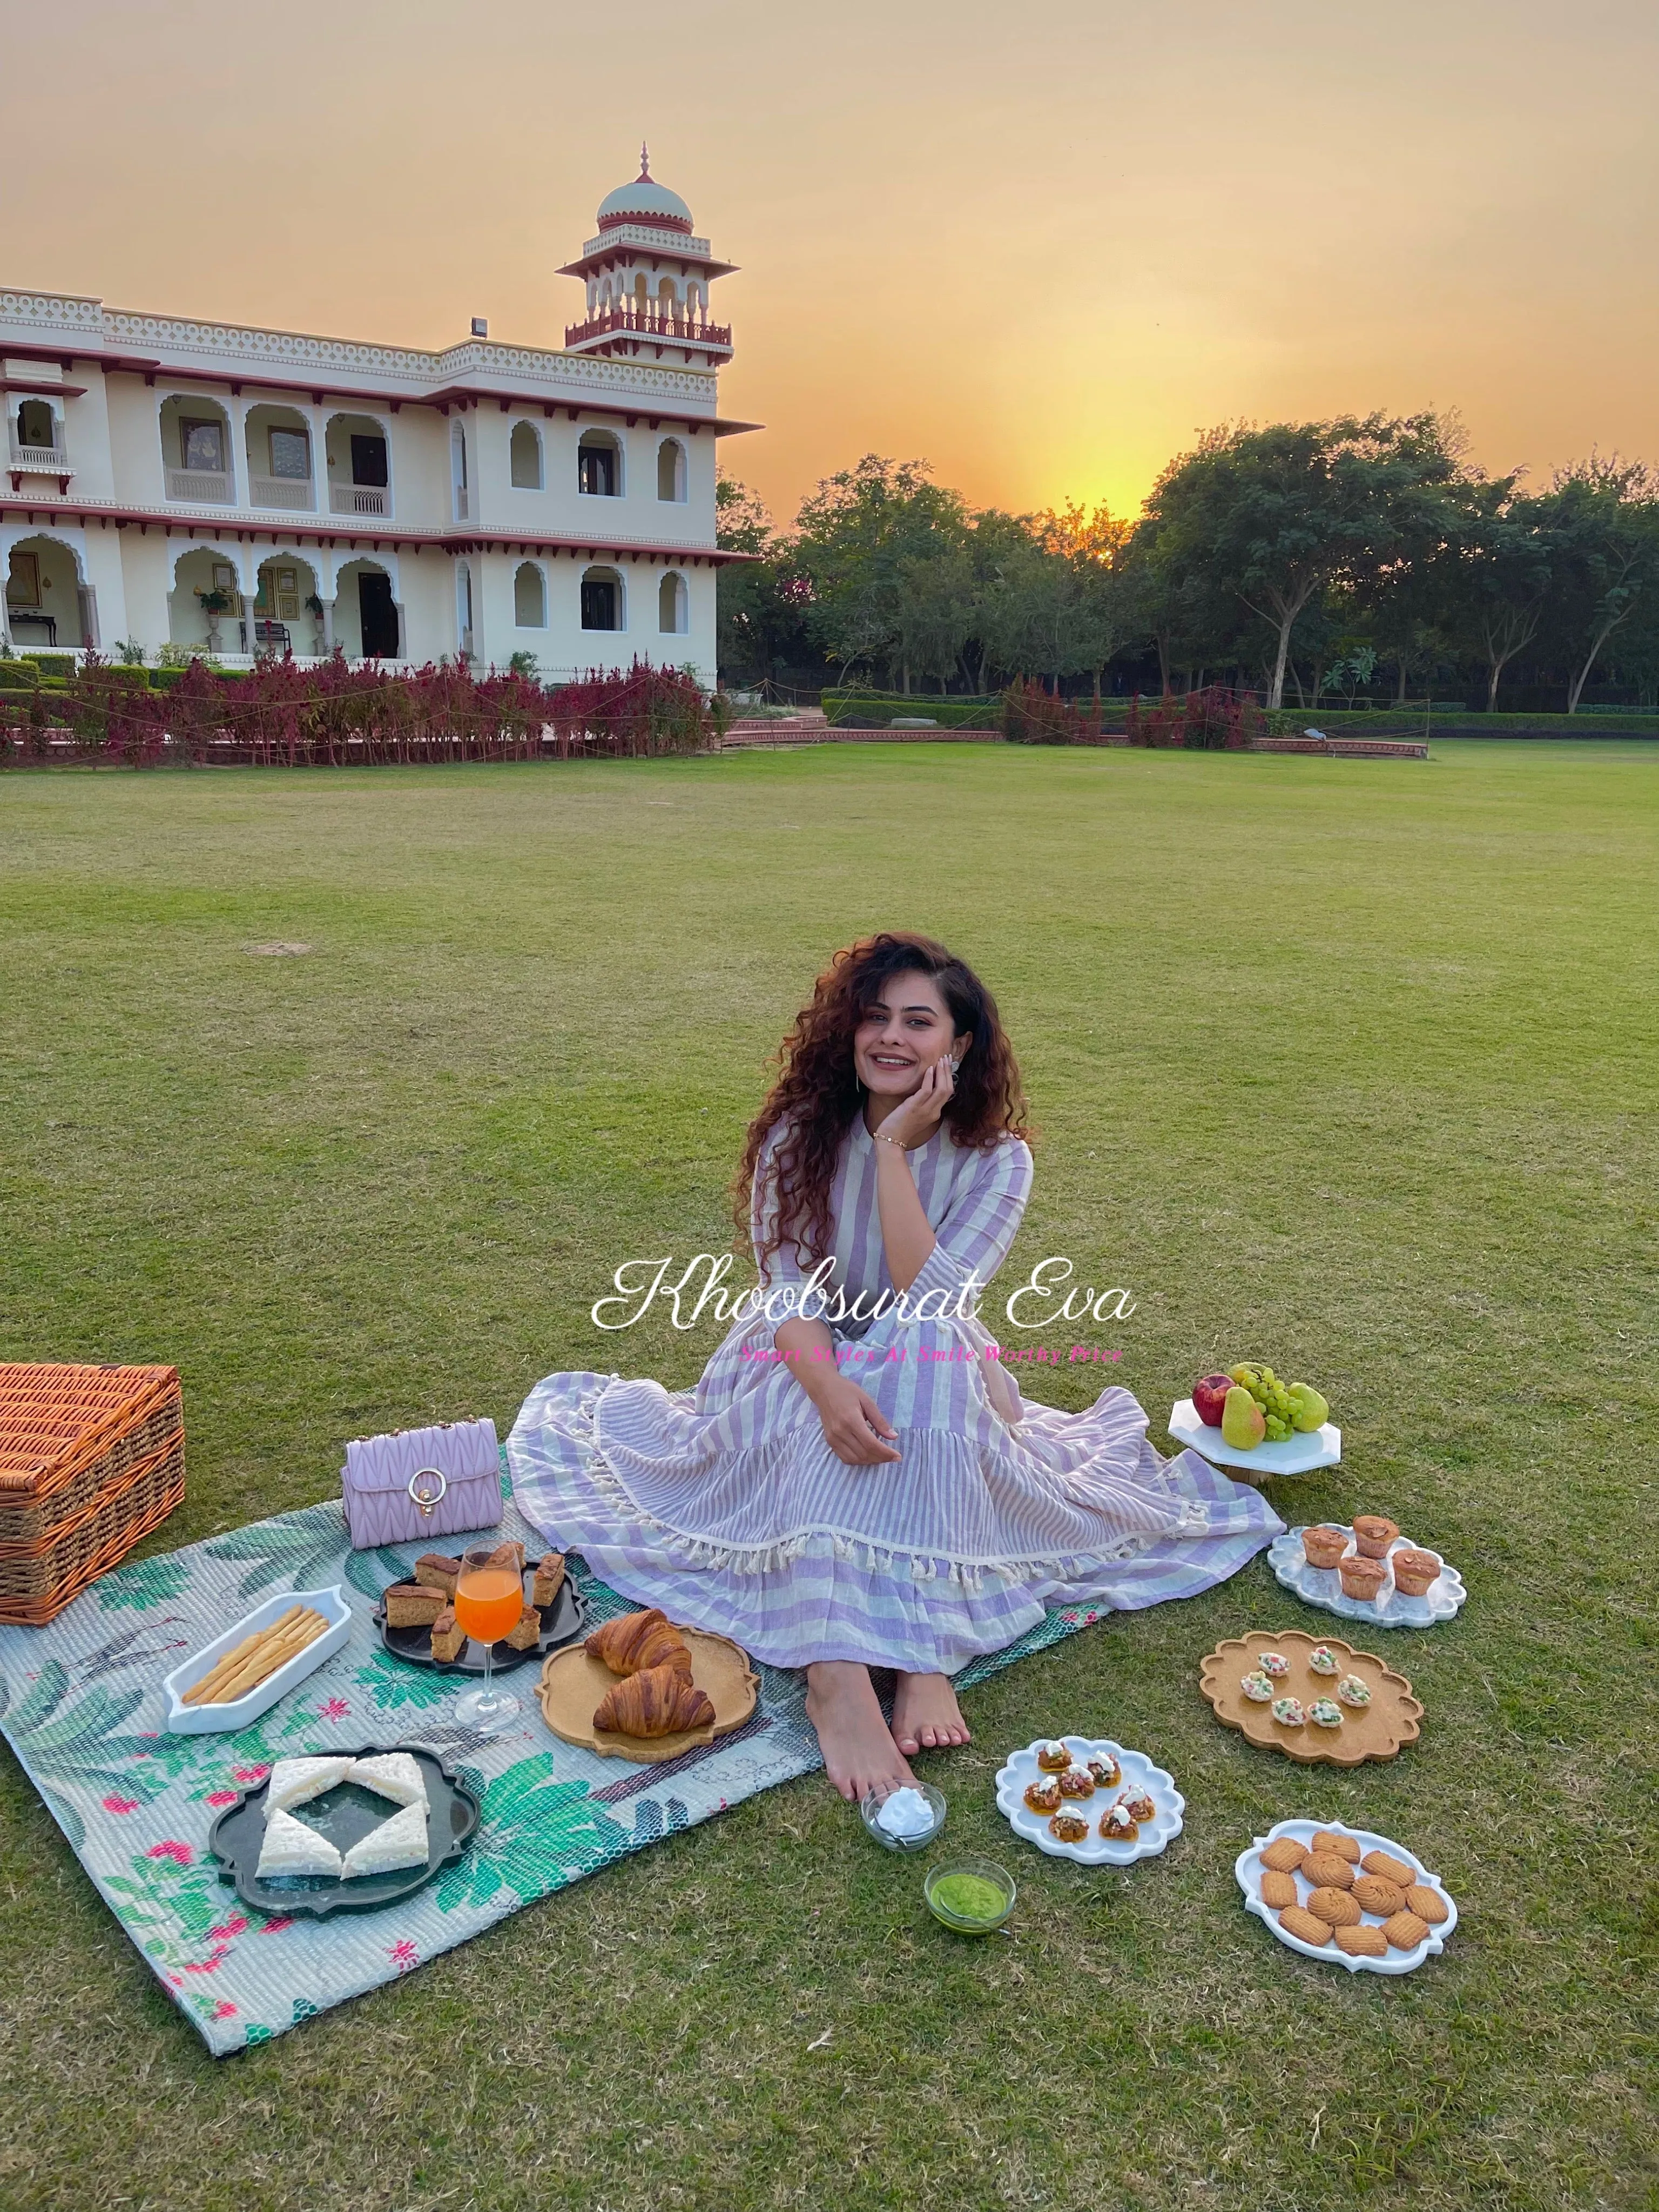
566 1618
344 1814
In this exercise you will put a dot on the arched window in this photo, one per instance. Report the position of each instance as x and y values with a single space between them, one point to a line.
599 465
529 596
526 454
36 425
602 599
671 470
672 613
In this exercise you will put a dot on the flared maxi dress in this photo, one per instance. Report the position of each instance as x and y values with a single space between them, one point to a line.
725 1506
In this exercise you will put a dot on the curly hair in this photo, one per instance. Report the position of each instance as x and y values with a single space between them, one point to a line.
818 1091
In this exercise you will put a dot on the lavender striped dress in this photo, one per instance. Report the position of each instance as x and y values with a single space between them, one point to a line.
725 1506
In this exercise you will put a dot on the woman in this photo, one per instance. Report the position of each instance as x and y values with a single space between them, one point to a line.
868 1489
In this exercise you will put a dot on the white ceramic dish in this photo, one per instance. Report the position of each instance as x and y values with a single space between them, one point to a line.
1247 1869
1155 1835
222 1720
1323 1585
1297 1455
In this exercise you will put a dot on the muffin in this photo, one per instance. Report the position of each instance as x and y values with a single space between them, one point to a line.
1257 1686
1324 1546
1323 1661
1372 1535
1361 1578
1288 1712
1415 1573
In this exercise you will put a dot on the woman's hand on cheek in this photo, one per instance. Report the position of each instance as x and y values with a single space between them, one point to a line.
855 1427
913 1120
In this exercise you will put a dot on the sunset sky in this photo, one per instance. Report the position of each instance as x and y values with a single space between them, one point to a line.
1038 246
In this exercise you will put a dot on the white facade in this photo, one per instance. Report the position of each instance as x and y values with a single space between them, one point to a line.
485 500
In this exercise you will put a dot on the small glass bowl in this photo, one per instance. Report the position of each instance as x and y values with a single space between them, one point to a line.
872 1803
986 1870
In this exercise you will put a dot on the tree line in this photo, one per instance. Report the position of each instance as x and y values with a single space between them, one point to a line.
1364 558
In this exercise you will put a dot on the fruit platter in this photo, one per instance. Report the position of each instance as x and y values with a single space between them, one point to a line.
1250 1419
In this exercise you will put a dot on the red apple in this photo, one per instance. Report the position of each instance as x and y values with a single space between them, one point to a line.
1209 1396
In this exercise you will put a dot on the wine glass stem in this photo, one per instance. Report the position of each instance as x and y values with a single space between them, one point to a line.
487 1696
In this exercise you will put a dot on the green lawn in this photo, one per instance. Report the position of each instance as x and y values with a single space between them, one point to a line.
1346 1065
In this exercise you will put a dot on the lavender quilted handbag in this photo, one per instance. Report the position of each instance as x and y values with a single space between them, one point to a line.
402 1489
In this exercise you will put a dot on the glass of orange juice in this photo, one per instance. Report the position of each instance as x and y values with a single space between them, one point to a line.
488 1601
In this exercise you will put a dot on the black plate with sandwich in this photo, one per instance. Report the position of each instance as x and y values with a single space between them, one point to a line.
408 1612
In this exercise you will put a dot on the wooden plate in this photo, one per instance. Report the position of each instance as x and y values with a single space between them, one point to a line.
572 1684
1390 1720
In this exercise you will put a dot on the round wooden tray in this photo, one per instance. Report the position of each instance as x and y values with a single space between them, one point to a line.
1390 1720
572 1684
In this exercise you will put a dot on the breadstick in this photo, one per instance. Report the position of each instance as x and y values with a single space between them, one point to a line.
275 1652
232 1659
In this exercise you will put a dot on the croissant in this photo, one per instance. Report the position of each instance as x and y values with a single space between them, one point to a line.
637 1641
654 1703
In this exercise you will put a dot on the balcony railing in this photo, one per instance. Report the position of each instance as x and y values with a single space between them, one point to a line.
650 326
48 460
359 499
292 494
202 487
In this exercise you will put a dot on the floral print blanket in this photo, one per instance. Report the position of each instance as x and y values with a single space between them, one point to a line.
81 1705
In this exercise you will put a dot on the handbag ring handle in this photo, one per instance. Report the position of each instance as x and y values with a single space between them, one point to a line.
426 1500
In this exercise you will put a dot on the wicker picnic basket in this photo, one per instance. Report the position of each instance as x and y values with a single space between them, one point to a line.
91 1459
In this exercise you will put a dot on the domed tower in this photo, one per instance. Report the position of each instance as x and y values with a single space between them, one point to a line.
647 280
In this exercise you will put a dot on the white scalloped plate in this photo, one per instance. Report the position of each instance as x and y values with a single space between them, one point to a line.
1247 1867
1033 1827
1322 1586
1297 1455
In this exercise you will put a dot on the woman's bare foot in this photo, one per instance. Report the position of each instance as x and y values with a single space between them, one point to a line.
859 1754
926 1714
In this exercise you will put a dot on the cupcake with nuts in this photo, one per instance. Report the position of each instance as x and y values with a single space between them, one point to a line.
1361 1578
1372 1535
1415 1572
1324 1547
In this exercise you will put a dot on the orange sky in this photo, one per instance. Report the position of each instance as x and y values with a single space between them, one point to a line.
1038 246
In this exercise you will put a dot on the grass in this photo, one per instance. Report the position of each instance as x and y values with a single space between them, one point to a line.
1348 1065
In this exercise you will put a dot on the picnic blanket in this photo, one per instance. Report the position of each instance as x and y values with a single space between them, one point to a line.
81 1705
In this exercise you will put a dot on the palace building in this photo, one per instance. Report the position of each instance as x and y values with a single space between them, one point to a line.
189 484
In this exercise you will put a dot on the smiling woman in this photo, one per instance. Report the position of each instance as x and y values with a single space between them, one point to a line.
923 1514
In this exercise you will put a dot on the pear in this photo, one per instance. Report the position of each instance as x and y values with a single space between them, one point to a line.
1308 1411
1242 1422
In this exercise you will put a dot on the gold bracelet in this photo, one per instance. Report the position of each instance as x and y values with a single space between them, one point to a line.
893 1141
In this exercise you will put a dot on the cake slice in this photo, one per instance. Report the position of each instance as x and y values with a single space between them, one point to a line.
291 1848
399 1842
526 1634
434 1571
448 1637
507 1555
394 1774
295 1781
549 1578
409 1605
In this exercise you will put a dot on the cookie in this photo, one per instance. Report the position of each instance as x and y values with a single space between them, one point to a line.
1391 1869
1278 1890
1329 1871
1295 1922
1404 1931
1284 1855
1427 1903
1335 1907
1379 1896
1343 1846
1363 1941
